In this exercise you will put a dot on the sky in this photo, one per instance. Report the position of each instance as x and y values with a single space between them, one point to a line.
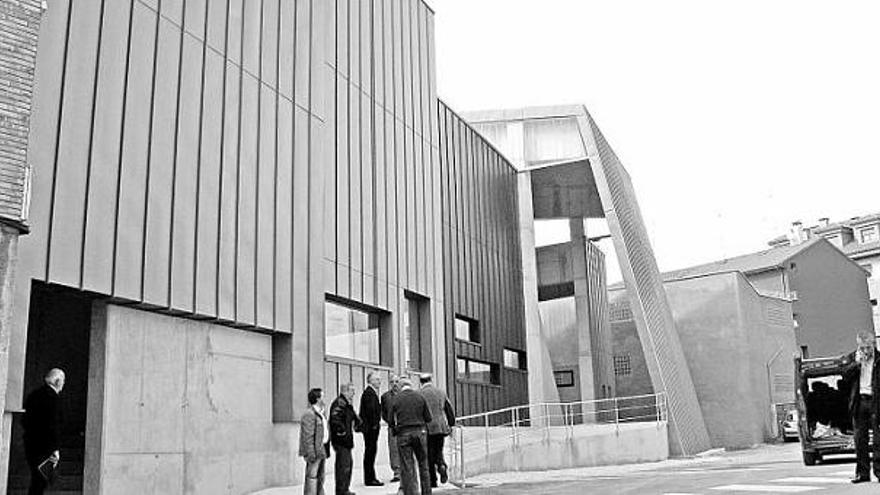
734 118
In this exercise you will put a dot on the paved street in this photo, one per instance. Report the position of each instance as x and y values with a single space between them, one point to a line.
767 469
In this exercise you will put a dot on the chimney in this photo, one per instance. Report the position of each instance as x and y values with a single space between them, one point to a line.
797 235
823 222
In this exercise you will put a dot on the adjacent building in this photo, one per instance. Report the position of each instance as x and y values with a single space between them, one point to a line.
858 238
740 321
738 344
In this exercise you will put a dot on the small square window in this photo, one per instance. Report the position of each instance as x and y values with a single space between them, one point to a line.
868 235
622 365
467 330
514 359
564 378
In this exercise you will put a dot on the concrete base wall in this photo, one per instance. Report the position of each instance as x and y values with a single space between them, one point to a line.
561 448
182 406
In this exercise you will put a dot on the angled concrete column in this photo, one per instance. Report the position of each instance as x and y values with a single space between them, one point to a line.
665 358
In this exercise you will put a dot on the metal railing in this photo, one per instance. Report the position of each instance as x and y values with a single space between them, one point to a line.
478 436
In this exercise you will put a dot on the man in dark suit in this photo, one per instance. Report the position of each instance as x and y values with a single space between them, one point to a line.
410 416
314 443
386 401
863 373
41 426
343 422
371 414
439 427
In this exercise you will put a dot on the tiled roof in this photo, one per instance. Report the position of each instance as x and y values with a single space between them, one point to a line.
748 263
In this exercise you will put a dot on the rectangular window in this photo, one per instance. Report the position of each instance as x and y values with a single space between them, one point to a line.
352 333
868 235
417 337
622 365
514 359
478 371
564 378
467 330
805 352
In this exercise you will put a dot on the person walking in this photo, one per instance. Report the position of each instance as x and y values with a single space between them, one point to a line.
343 423
443 418
410 416
864 404
314 443
371 414
41 428
386 401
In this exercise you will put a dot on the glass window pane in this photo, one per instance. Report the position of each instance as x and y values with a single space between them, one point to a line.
351 334
462 329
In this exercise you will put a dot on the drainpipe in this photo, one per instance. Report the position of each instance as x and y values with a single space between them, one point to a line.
768 365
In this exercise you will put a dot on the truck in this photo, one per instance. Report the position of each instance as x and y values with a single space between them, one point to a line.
822 398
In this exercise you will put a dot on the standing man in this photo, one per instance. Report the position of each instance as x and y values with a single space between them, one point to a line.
864 399
371 414
387 401
41 427
343 422
410 416
314 443
439 427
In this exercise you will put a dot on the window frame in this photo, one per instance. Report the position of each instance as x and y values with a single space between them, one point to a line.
566 384
522 364
473 330
385 339
494 372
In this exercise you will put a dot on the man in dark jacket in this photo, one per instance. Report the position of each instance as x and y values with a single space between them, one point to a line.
439 427
371 415
410 416
343 423
386 402
314 443
863 373
41 426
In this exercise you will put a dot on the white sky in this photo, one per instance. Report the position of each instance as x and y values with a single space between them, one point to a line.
734 118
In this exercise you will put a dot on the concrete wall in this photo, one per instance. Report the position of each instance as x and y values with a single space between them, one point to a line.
731 335
832 300
561 448
181 406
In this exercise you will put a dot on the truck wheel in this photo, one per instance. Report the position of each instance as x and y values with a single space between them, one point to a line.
811 458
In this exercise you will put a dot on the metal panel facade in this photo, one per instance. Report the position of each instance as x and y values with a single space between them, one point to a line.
482 274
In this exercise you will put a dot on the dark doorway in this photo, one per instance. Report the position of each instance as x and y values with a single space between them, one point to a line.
59 324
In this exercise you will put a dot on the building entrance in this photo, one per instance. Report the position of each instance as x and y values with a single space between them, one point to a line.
58 331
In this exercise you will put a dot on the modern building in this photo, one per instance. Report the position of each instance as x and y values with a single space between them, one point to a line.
858 238
567 170
233 202
738 343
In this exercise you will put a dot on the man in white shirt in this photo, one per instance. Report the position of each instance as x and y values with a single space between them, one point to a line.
863 405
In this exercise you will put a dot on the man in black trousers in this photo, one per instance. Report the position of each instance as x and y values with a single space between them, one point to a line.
41 426
410 416
864 404
371 414
343 422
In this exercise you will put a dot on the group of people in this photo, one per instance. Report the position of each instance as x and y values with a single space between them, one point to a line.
418 423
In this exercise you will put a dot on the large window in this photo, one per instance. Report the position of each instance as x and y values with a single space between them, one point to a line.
417 337
467 330
477 371
351 333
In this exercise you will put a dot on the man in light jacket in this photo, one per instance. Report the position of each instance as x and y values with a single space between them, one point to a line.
314 443
443 418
